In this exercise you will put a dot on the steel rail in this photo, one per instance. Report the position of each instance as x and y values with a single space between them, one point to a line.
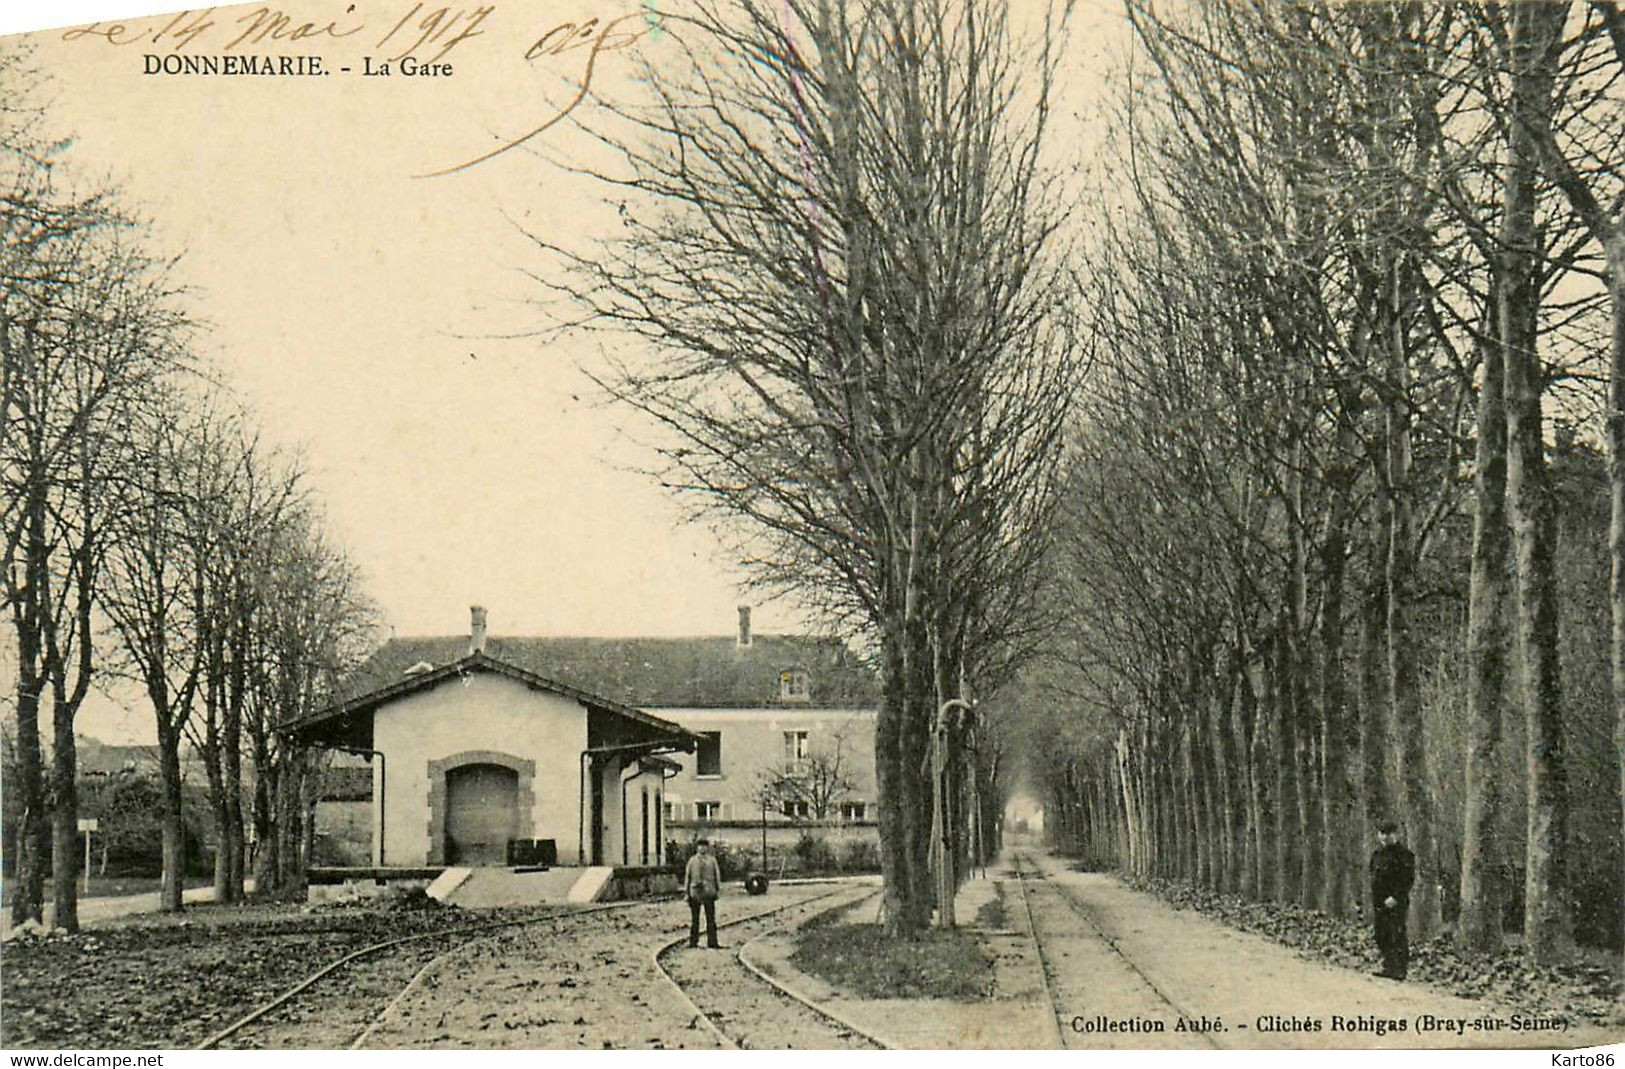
806 1000
1056 1010
1078 910
661 950
388 944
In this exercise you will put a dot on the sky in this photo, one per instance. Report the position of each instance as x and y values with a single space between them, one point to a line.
381 325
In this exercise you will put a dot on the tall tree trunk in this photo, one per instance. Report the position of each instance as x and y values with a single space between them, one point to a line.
1146 796
1132 826
231 759
1377 802
1288 850
214 769
1536 32
889 776
173 822
1232 804
1177 788
1260 799
1489 606
1306 806
1113 851
34 836
65 852
1616 491
1404 679
28 901
1608 228
264 865
1339 730
289 784
1197 798
915 748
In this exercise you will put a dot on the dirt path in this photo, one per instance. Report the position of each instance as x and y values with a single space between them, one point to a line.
753 1014
592 987
1261 994
1104 1001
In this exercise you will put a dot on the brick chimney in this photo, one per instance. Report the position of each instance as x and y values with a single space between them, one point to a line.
476 629
744 626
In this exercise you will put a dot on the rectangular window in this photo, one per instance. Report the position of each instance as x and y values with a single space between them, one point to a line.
708 756
851 811
707 810
795 750
794 809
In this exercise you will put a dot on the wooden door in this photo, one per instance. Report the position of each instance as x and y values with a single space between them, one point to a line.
482 814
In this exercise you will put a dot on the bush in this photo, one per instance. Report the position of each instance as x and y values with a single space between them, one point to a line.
860 855
814 854
734 862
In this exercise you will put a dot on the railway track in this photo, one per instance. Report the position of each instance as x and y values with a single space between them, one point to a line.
284 1006
740 1006
1056 1009
346 1002
1071 1027
810 1025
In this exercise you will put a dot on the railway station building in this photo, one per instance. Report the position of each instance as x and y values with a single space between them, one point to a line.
490 751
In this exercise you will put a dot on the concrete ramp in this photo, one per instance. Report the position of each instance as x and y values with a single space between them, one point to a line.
446 883
489 888
592 884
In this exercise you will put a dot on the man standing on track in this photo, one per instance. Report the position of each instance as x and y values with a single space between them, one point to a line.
702 882
1393 870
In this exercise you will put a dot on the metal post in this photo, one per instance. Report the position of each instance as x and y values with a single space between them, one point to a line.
939 830
383 784
588 762
942 855
976 861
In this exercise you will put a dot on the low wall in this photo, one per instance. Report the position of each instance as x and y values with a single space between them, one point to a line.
637 882
358 889
744 833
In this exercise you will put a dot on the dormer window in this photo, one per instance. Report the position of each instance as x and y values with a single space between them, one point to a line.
795 685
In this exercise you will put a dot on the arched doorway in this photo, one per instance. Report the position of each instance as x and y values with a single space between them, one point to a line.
482 813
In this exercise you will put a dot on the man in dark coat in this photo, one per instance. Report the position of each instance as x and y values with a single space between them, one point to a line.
1393 870
702 882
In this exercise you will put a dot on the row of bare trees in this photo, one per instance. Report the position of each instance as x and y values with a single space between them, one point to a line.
1349 281
1338 493
150 536
848 312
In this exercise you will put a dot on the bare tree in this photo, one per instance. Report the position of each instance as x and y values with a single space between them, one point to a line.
839 262
819 782
87 323
1535 34
1589 173
313 625
153 594
1341 235
252 497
